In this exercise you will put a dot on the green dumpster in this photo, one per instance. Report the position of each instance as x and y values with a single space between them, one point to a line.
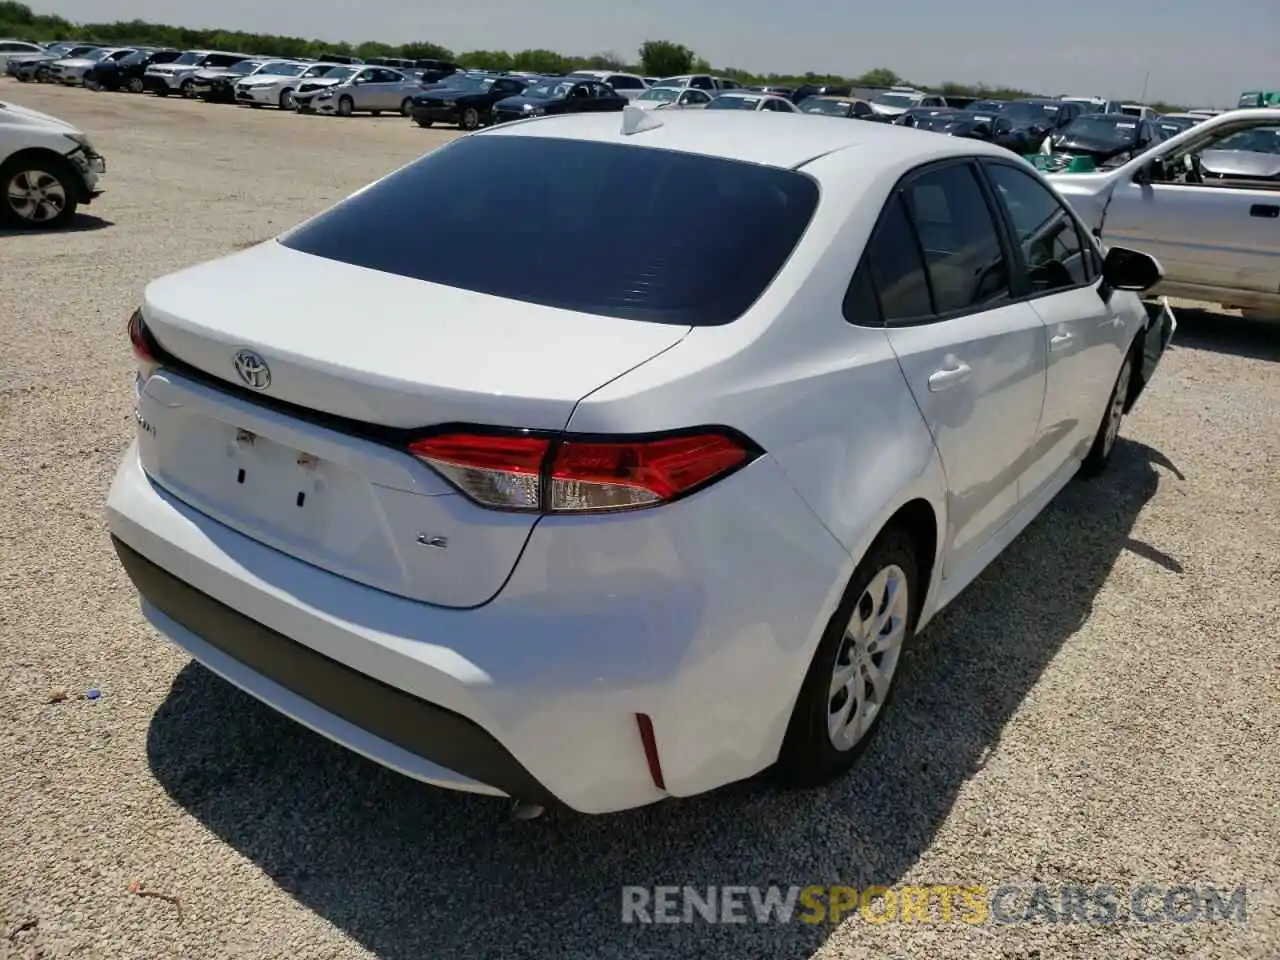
1061 163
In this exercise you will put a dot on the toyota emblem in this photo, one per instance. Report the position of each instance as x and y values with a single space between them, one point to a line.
253 370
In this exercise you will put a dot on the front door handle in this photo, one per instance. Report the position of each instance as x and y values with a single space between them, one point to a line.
1268 211
1060 341
949 377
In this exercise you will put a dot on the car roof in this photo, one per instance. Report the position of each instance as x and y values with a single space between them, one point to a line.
836 99
752 137
1127 117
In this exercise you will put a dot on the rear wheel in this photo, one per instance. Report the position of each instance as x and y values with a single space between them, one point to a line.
346 107
424 123
42 74
470 119
187 88
1104 441
135 85
848 686
287 102
37 191
406 107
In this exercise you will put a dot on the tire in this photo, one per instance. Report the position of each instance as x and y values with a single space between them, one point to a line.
187 89
424 123
884 585
346 106
55 179
135 85
375 113
162 90
406 107
1104 441
42 75
470 119
287 102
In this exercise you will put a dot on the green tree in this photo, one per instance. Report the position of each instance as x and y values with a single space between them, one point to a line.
879 77
541 61
425 51
662 58
486 60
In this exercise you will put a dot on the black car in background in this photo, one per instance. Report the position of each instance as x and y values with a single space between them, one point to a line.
109 74
925 118
559 96
468 104
828 90
850 107
433 71
1108 139
1031 120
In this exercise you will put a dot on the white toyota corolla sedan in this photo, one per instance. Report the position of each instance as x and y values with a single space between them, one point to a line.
651 505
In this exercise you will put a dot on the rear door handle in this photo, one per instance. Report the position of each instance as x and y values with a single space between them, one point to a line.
949 377
1269 211
1060 341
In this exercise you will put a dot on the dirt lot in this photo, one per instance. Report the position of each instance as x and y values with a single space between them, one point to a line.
1102 707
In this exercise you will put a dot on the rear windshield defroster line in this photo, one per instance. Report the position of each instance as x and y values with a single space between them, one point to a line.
602 228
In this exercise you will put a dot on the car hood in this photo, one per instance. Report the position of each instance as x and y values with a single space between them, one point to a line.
312 84
887 111
453 96
76 62
1097 148
519 102
1242 164
13 115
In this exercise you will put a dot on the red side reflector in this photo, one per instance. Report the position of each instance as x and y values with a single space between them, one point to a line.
650 741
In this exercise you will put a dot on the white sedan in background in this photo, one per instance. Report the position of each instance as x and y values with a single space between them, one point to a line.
623 522
276 89
746 100
72 71
672 98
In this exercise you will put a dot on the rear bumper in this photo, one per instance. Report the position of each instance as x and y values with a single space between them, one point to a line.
702 615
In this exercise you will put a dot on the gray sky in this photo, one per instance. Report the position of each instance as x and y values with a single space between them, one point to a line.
1197 52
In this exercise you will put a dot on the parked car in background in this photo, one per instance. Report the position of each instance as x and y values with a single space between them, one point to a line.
898 101
557 97
1107 139
36 67
959 102
48 168
922 117
374 90
673 98
219 86
1139 110
1033 119
1252 99
566 441
987 107
807 90
433 71
746 100
1095 104
1205 203
1204 113
72 71
177 76
467 104
698 81
827 106
338 58
624 84
18 48
127 72
276 89
1172 124
788 92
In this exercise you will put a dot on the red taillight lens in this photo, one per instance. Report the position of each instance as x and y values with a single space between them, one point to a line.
514 472
139 340
496 471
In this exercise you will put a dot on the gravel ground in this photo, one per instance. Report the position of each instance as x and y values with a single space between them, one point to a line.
1103 706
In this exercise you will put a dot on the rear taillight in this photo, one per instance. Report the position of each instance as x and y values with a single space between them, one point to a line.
143 346
588 475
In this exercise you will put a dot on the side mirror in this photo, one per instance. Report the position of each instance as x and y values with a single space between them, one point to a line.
1125 269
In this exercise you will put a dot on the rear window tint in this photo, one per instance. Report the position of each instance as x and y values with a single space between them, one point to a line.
618 230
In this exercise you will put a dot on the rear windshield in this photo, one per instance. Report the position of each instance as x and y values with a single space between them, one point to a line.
603 228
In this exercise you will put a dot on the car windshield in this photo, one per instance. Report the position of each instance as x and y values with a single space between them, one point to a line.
1102 128
987 106
188 59
896 100
244 67
340 73
734 103
831 108
549 90
472 85
95 55
1027 110
664 94
696 246
1171 126
280 68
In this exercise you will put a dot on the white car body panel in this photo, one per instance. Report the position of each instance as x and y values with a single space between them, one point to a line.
1208 239
22 128
703 613
17 48
269 89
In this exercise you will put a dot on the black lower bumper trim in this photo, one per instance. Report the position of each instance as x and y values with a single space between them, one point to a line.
424 729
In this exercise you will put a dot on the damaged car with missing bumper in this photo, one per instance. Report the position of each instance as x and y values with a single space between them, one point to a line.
1205 203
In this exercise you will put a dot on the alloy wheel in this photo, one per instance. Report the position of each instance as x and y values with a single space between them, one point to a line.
36 196
867 658
287 100
1116 411
135 85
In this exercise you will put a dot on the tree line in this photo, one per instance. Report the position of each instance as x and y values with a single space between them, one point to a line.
662 58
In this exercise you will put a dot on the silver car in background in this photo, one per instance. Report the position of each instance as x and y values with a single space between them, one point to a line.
364 90
672 98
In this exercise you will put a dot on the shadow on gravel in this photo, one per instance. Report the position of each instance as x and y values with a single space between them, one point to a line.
1225 333
409 871
80 223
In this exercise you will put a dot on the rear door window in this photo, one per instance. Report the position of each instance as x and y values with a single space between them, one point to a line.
693 240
